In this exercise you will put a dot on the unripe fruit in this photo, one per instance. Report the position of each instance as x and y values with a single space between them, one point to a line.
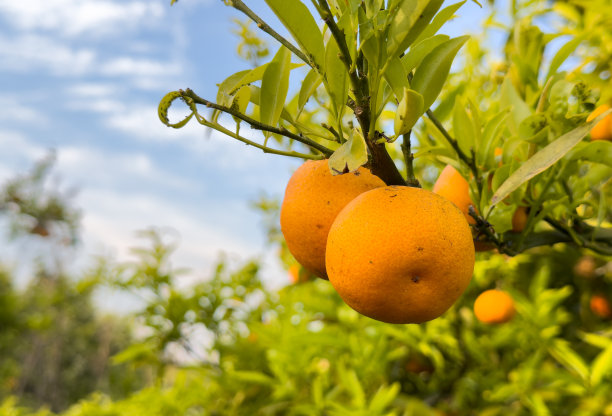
400 255
494 307
312 200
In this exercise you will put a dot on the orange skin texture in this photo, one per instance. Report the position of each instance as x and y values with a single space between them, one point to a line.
600 306
452 186
400 254
312 200
494 307
519 219
603 129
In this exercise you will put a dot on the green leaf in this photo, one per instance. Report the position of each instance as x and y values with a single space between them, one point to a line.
309 86
511 98
599 151
420 24
463 127
431 74
562 54
602 366
416 53
404 19
444 16
241 101
383 398
274 87
408 112
567 357
543 159
396 77
252 377
164 106
296 17
350 156
336 77
369 44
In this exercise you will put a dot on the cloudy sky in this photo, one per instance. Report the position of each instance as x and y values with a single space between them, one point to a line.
84 77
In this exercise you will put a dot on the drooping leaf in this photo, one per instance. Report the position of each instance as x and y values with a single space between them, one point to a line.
309 86
408 112
296 17
350 156
431 74
543 159
274 87
417 52
337 77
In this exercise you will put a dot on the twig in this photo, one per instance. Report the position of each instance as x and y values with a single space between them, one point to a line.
411 180
240 6
188 94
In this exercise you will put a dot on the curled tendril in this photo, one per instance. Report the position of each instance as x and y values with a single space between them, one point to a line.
164 106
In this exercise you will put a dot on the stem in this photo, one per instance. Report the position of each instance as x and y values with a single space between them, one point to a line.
189 94
382 164
411 180
240 6
248 142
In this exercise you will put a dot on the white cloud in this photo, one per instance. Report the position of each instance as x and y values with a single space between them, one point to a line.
78 17
35 52
139 67
15 110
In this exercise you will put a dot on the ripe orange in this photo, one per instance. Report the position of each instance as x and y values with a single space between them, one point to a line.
494 307
519 219
452 186
603 129
400 255
600 306
294 273
312 200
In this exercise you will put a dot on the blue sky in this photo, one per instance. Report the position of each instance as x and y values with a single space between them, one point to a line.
84 77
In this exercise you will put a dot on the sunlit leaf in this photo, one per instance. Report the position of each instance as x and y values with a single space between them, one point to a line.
274 87
337 77
408 111
350 156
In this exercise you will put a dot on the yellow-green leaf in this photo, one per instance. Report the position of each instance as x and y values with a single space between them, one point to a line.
274 87
337 77
408 112
350 156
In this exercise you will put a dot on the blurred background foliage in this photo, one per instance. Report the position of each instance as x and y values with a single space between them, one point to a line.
228 345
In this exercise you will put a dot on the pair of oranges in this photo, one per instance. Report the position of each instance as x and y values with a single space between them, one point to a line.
394 253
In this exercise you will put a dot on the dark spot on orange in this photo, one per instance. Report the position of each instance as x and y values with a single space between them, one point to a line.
371 262
419 248
393 196
319 226
416 279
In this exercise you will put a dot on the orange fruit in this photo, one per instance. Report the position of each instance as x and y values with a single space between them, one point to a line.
494 307
603 129
519 219
452 186
294 273
312 200
600 306
400 255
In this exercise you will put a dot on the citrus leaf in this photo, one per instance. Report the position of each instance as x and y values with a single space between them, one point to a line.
396 77
404 19
602 366
164 106
463 127
562 54
420 24
511 98
383 398
274 87
408 112
336 76
442 17
296 17
567 357
416 53
309 86
545 158
599 151
350 156
431 74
